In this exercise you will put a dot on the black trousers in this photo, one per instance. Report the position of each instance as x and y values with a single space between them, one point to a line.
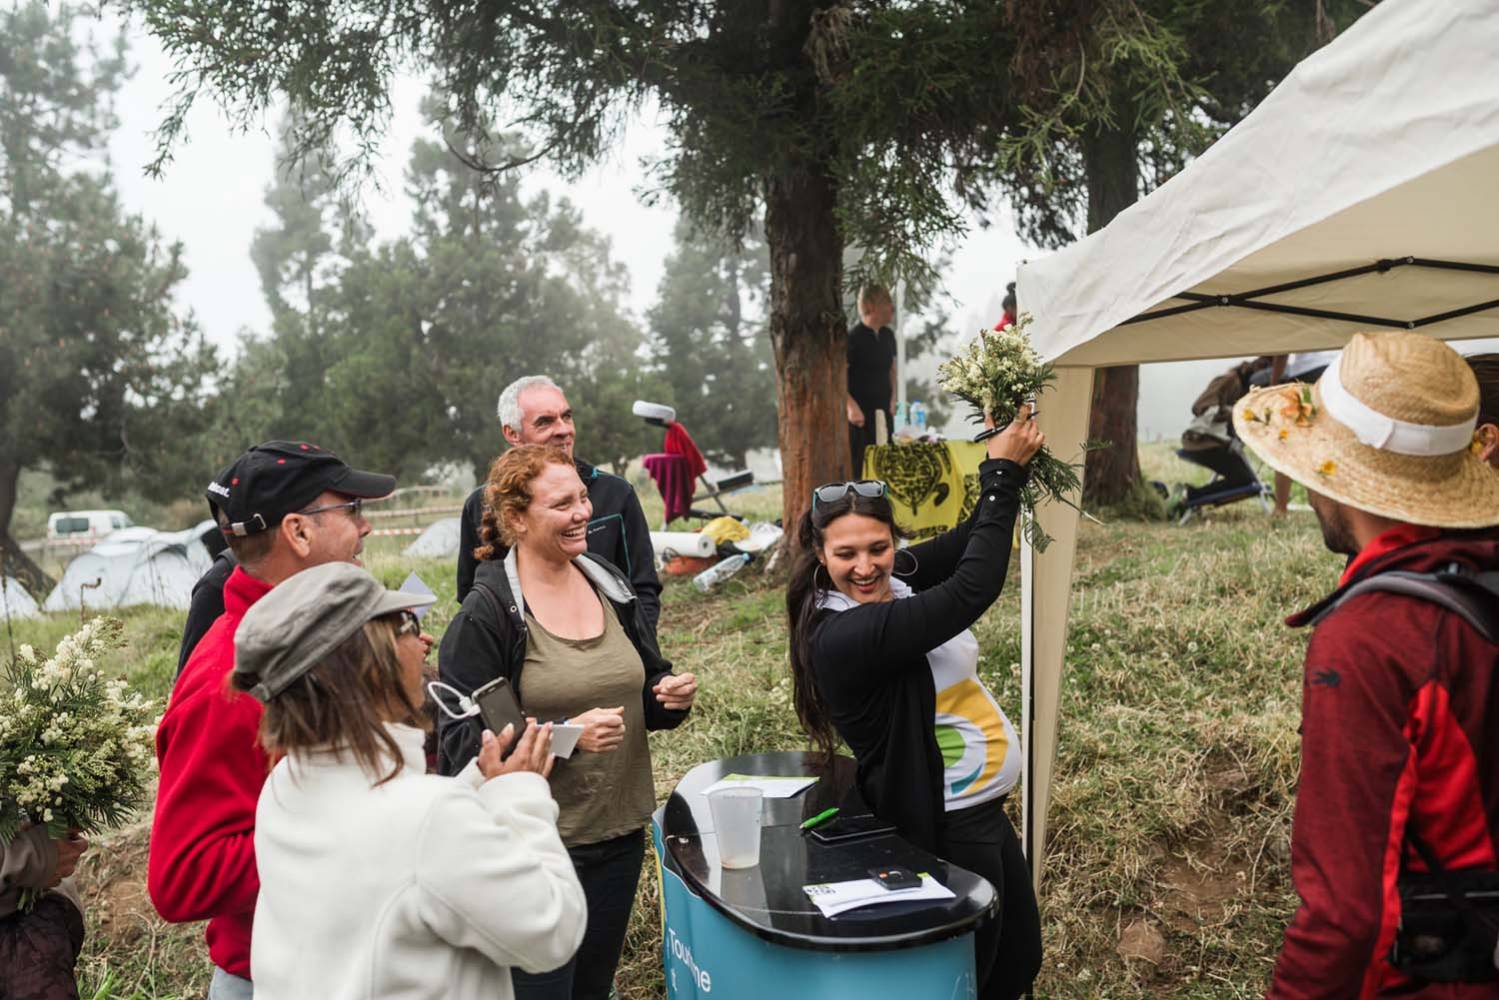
1007 949
861 437
1225 461
610 873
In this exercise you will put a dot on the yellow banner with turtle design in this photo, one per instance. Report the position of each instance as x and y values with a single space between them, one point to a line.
931 486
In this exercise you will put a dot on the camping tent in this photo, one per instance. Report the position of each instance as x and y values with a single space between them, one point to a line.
134 566
15 602
439 541
1362 194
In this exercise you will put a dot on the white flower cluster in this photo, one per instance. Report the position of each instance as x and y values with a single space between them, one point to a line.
38 787
76 746
996 372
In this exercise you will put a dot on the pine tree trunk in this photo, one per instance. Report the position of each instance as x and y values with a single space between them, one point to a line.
13 561
807 334
1111 159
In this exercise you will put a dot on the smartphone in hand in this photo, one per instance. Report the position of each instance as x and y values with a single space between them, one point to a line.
499 707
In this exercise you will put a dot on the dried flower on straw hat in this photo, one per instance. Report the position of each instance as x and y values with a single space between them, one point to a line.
1387 429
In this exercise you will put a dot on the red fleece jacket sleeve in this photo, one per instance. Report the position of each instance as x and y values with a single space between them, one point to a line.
202 861
1356 766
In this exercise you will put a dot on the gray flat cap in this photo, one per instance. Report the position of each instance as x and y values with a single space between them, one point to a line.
304 618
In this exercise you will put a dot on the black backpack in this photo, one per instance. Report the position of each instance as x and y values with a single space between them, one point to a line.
1473 597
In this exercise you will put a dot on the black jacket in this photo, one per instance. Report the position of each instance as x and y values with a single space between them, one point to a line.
207 604
870 662
487 639
618 533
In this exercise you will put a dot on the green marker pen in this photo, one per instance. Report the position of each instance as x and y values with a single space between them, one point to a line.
820 818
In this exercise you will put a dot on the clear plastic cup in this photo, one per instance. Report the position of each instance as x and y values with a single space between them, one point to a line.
736 820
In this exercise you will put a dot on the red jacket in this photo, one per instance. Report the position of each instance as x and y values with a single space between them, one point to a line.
202 862
1400 730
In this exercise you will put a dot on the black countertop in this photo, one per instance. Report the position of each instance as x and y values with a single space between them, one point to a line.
768 900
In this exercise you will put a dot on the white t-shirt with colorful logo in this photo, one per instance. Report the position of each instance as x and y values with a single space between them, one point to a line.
980 752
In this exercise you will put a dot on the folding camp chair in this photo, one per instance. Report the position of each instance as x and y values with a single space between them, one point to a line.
660 415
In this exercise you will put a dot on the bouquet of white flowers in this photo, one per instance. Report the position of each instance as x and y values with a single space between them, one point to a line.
75 747
996 374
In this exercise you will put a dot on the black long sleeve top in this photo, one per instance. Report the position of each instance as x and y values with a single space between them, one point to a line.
870 664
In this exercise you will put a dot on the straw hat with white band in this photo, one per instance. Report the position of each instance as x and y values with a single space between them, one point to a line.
1387 429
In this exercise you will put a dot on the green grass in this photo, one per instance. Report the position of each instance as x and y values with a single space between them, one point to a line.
1175 770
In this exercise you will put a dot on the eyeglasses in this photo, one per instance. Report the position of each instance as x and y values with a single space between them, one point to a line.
870 489
355 508
410 624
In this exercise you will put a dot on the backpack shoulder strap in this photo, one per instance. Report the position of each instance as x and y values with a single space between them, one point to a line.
491 598
1473 597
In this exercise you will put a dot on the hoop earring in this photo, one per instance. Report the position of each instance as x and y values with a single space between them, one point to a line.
815 585
915 563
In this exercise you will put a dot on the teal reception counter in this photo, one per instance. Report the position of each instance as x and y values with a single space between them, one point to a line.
753 933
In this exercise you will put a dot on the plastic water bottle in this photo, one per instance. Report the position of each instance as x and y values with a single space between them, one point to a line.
918 416
720 571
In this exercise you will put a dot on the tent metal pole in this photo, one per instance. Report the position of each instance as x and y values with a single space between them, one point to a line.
1027 693
1172 310
1247 300
1275 307
1455 313
1454 265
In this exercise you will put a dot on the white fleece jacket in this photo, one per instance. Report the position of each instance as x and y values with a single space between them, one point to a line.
423 887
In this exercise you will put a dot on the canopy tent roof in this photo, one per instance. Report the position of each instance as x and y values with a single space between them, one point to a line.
1363 193
1383 146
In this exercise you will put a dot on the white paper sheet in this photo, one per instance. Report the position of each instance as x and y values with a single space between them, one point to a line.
833 898
771 786
564 739
414 584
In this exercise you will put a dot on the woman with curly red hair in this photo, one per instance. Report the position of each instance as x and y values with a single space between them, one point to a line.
565 628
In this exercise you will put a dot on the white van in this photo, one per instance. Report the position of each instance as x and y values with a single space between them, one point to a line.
76 525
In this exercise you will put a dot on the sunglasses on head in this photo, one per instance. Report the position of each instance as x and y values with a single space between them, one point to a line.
410 624
870 489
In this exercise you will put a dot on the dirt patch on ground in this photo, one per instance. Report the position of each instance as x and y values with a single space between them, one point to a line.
113 882
1203 882
1196 896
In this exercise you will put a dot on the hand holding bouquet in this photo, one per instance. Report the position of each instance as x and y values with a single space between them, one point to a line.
997 374
75 747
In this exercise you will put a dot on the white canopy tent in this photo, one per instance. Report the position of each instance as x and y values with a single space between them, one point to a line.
1362 194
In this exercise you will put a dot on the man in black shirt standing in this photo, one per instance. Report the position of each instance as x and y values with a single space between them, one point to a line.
871 371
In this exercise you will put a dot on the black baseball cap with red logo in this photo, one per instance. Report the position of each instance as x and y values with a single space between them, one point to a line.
278 478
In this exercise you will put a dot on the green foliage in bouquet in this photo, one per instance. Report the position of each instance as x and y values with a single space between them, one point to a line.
75 745
996 374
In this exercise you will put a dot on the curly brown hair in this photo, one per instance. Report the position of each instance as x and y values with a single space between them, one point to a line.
508 491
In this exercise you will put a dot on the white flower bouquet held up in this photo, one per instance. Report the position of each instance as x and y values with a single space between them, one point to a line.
76 747
996 374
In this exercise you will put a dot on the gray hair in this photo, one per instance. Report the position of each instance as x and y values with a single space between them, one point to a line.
509 405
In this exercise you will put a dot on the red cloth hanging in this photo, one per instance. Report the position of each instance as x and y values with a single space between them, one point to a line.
679 442
669 472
